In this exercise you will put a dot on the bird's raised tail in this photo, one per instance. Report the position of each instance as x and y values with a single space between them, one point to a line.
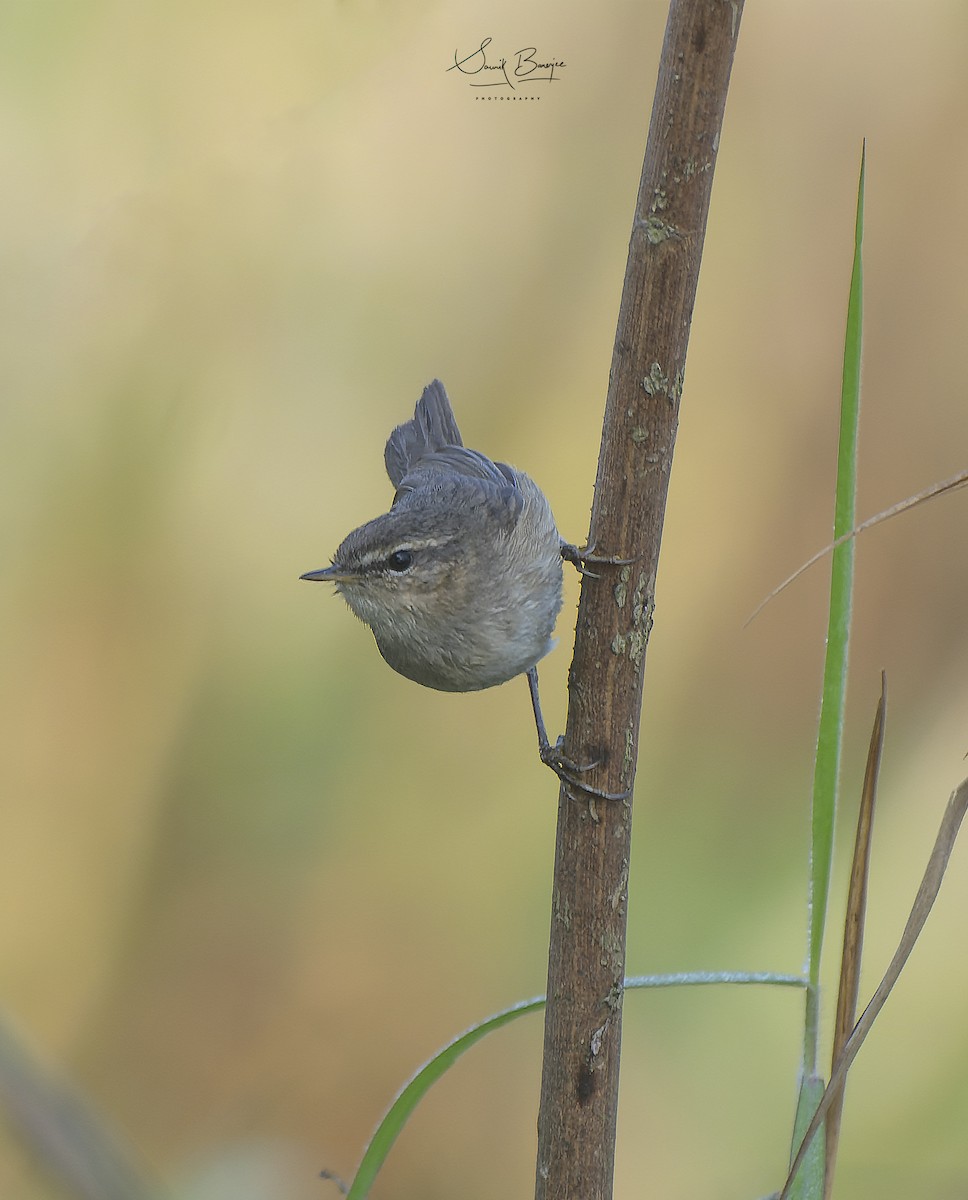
432 428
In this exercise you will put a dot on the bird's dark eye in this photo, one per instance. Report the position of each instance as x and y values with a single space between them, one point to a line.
400 560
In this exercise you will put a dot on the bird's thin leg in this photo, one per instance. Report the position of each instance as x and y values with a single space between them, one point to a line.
544 745
552 756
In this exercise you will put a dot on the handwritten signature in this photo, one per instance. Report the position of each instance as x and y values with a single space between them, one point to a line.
521 68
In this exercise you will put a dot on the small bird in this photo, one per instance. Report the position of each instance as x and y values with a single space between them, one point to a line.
460 581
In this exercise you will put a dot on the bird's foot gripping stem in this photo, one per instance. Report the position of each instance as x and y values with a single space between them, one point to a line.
568 771
581 556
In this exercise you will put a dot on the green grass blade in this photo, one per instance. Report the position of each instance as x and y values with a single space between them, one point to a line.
707 978
830 735
413 1092
807 1183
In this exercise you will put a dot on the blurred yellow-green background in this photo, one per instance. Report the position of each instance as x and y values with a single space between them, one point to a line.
250 878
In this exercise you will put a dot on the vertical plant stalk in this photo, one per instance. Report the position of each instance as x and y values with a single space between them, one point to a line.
579 1087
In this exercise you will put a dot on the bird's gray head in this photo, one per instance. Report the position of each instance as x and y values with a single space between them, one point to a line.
403 571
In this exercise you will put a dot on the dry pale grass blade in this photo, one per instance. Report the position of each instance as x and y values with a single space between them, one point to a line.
929 493
927 894
67 1136
854 927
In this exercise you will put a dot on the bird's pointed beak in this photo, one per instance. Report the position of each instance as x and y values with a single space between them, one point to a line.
331 574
